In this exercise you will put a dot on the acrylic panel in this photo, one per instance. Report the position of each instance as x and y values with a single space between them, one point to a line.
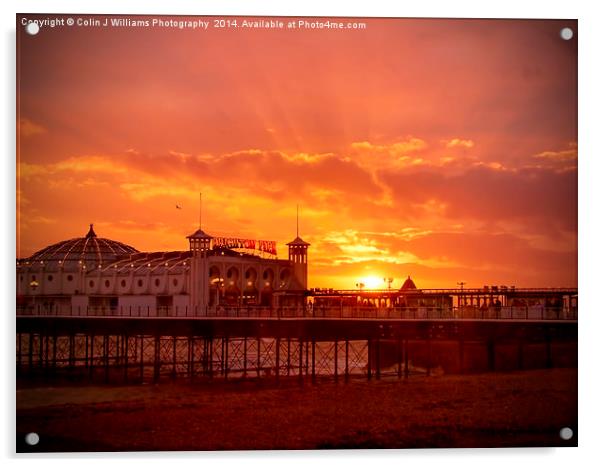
242 233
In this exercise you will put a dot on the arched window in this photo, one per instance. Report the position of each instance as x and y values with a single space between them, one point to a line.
232 274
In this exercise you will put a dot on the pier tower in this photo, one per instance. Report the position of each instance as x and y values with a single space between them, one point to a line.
297 254
200 243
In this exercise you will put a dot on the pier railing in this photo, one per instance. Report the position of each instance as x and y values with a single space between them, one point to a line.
345 312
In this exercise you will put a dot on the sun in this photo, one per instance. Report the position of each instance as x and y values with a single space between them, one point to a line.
372 282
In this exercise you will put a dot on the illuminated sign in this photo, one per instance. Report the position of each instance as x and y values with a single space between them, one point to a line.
267 246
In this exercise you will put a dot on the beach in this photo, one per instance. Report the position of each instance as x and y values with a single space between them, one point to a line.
510 409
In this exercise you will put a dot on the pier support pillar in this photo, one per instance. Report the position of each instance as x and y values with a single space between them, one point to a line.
370 356
19 354
126 361
278 359
190 358
91 364
142 358
106 340
258 357
225 356
30 352
288 356
41 351
244 357
54 339
157 359
210 357
300 361
174 357
71 351
399 357
336 361
429 355
346 360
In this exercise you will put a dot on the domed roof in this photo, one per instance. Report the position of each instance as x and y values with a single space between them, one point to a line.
408 284
90 251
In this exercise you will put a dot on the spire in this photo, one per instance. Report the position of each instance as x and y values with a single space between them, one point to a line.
91 232
199 233
298 241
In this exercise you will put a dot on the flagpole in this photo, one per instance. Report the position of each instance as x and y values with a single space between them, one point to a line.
200 210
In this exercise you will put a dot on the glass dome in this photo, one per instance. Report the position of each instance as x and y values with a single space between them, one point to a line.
89 251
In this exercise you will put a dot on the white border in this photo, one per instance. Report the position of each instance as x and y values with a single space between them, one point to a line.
590 198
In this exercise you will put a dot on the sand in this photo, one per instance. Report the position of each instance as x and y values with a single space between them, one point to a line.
488 410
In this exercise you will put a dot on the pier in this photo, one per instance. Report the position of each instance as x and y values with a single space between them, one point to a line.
283 343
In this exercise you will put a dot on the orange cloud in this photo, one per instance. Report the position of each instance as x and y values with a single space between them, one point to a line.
27 128
568 155
458 143
560 160
399 148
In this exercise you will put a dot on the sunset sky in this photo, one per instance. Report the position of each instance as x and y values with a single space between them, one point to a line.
441 149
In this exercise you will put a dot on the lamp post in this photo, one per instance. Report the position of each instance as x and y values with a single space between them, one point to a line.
462 284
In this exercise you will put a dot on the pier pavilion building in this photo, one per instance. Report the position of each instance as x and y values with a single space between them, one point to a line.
102 276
